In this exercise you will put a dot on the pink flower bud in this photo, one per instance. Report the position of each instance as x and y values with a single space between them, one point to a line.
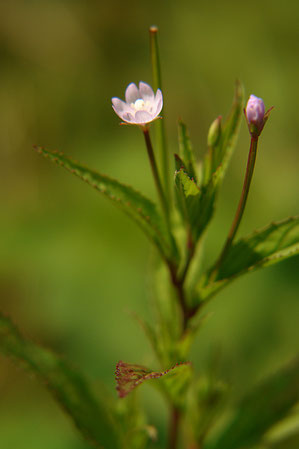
255 113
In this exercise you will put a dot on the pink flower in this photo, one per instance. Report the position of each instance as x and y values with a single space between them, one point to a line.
141 106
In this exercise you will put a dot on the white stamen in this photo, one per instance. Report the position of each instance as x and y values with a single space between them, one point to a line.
139 104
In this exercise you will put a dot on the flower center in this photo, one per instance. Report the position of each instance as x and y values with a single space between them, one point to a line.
139 104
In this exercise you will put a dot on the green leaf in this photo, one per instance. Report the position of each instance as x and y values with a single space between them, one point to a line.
196 201
129 376
290 441
270 245
186 151
176 384
141 209
196 205
188 196
205 404
267 246
220 152
210 160
220 155
262 408
70 389
133 424
167 323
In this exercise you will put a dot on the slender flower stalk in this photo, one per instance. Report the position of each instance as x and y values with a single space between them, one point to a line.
155 172
141 107
241 206
256 119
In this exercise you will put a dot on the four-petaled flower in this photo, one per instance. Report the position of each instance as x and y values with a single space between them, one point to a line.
142 105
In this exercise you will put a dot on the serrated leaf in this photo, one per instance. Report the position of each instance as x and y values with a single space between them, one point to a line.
142 210
186 150
176 384
196 201
205 404
167 315
128 376
267 246
207 203
133 424
262 408
68 386
188 198
214 170
197 205
264 247
220 154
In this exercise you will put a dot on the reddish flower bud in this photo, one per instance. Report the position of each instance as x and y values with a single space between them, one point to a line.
255 115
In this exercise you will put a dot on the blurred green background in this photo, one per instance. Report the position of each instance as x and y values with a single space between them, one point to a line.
72 266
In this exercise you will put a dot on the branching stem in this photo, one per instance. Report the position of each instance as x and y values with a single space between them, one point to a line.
173 428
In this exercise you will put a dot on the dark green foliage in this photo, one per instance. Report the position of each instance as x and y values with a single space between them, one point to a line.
261 409
264 247
196 199
91 416
186 151
270 245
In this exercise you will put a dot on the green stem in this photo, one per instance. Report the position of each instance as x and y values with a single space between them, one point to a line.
190 254
173 428
159 125
155 172
241 205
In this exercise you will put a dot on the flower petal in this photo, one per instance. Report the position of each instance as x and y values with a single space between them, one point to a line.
119 105
146 91
124 115
158 95
143 117
158 101
127 117
132 93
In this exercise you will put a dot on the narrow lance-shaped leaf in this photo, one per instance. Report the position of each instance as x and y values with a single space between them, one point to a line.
141 209
196 204
211 157
91 417
186 151
221 154
261 409
268 246
178 191
214 167
132 422
189 197
264 247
